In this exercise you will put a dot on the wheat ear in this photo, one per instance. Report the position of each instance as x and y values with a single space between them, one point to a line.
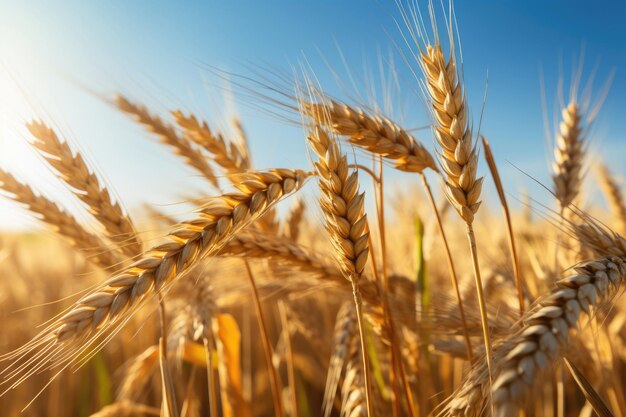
225 153
353 398
375 133
346 223
109 306
294 220
380 135
343 336
48 212
568 155
458 155
537 344
73 170
614 196
168 136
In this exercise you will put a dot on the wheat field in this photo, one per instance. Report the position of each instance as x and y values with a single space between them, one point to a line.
325 289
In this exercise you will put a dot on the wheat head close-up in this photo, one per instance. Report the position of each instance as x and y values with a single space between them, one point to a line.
355 208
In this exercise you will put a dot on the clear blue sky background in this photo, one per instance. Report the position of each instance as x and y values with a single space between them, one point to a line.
55 55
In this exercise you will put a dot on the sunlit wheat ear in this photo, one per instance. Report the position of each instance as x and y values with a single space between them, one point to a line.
137 373
254 244
568 155
614 196
374 133
346 223
259 245
342 205
343 336
168 136
294 221
225 153
74 171
48 212
352 394
107 308
520 357
458 155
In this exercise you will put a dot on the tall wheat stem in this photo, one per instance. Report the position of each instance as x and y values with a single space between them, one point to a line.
453 276
358 303
267 346
481 296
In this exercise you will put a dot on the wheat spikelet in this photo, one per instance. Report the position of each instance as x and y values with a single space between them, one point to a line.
375 133
168 135
108 306
225 153
63 223
536 345
614 196
568 155
458 156
73 170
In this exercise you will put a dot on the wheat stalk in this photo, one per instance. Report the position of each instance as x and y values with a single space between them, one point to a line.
375 133
458 155
48 212
111 304
568 154
342 207
73 170
168 136
537 343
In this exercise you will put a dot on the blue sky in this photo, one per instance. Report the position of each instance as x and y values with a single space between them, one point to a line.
59 59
